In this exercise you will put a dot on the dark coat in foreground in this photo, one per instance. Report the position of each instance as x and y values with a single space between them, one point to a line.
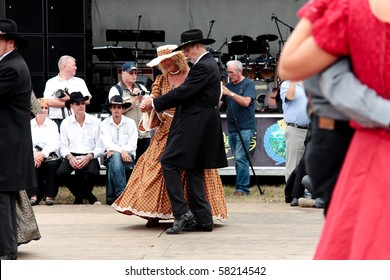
16 156
195 138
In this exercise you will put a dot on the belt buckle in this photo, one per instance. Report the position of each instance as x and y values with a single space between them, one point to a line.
326 123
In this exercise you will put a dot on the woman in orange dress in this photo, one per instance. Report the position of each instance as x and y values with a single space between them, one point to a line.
145 194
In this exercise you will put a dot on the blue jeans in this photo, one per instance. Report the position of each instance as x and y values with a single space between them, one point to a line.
240 158
116 174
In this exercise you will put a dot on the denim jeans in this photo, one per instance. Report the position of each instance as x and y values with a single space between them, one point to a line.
240 158
116 174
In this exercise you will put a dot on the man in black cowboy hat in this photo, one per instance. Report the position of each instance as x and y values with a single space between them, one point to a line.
195 140
132 92
119 135
80 147
17 162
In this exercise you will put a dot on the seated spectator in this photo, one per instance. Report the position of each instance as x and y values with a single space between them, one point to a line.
80 148
46 141
119 135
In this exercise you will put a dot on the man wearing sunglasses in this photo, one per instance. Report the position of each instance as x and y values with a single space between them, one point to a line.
80 147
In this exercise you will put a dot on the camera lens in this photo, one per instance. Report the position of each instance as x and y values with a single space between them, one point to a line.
60 93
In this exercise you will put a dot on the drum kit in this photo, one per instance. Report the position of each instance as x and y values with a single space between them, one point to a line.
261 69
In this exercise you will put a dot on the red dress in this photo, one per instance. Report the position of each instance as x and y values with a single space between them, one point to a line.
357 224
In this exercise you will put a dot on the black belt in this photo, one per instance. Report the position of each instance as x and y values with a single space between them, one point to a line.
297 126
57 121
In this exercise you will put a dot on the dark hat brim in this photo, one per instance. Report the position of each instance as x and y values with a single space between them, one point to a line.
208 41
21 42
124 105
70 101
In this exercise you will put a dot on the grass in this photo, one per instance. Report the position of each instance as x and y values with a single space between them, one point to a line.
272 194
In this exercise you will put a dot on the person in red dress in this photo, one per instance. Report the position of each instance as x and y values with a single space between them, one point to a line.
356 225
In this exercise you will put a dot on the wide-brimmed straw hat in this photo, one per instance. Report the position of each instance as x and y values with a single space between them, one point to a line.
8 30
163 52
193 36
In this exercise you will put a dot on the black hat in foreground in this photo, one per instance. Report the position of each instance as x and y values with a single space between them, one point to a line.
8 30
192 37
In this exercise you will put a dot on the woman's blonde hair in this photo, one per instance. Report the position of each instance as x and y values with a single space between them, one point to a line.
180 62
43 101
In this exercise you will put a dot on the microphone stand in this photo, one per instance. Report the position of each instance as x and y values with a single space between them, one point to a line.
225 43
153 45
136 41
112 58
234 119
277 26
211 26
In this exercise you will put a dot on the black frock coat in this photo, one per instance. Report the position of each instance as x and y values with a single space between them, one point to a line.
16 156
195 138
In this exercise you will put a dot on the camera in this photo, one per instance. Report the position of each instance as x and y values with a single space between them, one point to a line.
38 148
142 92
61 93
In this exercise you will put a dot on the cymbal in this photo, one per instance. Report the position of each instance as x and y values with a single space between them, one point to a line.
243 38
267 37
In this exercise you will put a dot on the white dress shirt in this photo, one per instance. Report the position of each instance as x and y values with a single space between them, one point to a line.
80 139
119 137
45 136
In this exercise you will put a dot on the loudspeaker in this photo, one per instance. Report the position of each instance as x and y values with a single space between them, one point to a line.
65 16
58 46
28 15
34 54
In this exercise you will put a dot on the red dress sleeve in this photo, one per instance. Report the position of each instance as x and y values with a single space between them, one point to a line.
313 10
329 24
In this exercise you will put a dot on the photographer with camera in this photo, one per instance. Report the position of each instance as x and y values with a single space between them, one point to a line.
132 92
57 89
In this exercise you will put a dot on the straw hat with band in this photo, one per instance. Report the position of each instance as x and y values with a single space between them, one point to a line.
163 52
191 37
